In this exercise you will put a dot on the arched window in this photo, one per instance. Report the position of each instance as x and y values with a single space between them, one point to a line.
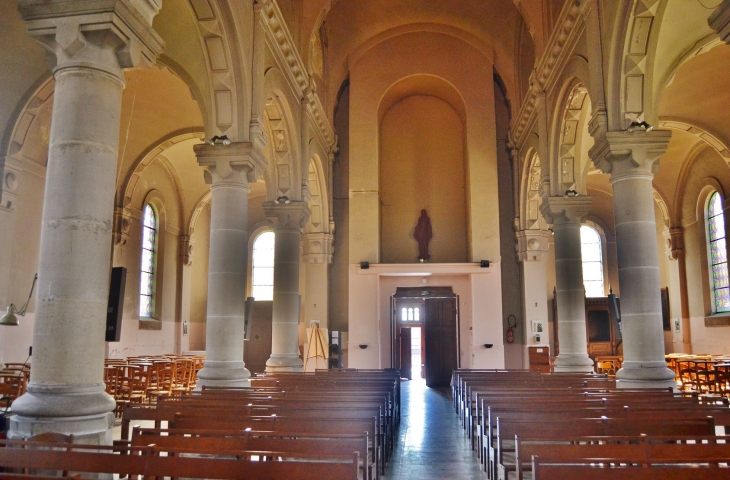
410 314
262 282
592 256
148 267
715 222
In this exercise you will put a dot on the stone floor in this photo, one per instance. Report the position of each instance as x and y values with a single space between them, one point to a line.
431 443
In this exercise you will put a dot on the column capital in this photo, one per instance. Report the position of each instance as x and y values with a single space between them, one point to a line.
234 164
674 242
107 35
719 21
317 247
292 215
122 222
532 245
565 210
630 154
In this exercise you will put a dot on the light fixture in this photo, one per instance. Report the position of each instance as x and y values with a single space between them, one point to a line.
570 193
10 316
282 199
222 140
634 125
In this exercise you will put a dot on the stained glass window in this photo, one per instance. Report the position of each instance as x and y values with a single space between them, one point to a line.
592 256
149 255
718 254
262 283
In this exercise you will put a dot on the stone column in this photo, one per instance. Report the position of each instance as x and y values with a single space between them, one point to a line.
532 253
632 159
317 257
719 21
91 43
566 215
289 219
229 170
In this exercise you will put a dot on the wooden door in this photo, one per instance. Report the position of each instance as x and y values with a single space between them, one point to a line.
441 343
406 359
257 349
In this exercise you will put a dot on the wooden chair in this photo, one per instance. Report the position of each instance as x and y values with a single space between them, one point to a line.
183 376
165 375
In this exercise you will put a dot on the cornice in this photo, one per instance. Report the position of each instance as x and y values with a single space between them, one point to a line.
557 52
286 53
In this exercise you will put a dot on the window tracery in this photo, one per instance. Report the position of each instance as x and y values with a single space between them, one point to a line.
148 264
717 254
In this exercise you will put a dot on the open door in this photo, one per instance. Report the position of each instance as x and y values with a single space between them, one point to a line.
441 341
406 362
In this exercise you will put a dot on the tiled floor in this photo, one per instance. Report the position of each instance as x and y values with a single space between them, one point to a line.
431 444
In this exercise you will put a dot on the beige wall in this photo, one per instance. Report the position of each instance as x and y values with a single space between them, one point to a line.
418 63
422 167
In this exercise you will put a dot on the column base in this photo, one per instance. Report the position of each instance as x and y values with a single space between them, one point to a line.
645 375
284 363
87 429
223 374
573 363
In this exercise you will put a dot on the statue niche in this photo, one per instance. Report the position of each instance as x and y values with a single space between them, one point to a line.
423 235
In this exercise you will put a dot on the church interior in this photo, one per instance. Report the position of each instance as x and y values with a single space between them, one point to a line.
251 189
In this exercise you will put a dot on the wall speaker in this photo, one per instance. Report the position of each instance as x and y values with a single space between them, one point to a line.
484 263
115 304
364 265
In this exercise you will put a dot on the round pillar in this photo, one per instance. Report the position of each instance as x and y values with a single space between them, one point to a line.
290 219
229 170
567 214
632 160
66 392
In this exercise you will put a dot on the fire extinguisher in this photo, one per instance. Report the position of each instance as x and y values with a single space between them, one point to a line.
511 330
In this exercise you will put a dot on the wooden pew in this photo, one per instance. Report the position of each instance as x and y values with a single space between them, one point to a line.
211 441
635 450
559 429
146 461
544 469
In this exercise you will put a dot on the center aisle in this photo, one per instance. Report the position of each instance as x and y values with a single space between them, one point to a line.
431 443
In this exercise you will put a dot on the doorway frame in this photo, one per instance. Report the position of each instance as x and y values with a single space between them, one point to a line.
404 296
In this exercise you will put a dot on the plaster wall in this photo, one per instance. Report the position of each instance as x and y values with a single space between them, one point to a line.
422 167
470 73
480 309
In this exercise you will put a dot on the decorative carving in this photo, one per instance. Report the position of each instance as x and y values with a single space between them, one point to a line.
532 245
287 215
673 242
185 249
280 141
122 223
66 28
564 36
571 118
234 164
620 153
557 210
719 21
317 248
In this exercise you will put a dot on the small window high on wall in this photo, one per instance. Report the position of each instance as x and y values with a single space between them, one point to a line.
410 314
148 267
592 256
262 282
717 254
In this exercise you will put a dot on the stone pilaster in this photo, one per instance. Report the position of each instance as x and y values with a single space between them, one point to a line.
532 253
228 169
289 219
719 21
566 215
632 159
90 43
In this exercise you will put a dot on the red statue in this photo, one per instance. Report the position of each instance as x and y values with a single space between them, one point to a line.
423 235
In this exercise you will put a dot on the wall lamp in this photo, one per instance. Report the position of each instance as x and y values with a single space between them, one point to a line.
9 318
634 125
570 193
282 199
222 140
